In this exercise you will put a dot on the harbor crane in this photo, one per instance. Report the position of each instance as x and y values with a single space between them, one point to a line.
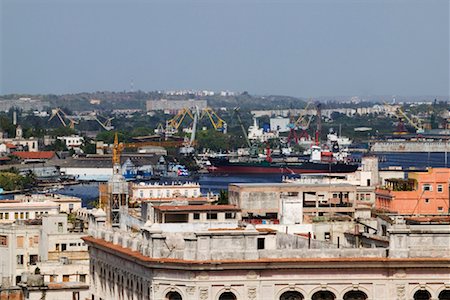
175 123
218 123
62 116
401 116
302 123
106 123
253 147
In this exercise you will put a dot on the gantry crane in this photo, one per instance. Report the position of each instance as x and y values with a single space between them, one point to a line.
174 123
106 124
302 123
61 116
299 123
218 123
401 115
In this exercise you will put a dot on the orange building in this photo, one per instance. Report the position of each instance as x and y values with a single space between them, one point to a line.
429 194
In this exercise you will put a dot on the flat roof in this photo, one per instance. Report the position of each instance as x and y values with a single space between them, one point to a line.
168 208
290 184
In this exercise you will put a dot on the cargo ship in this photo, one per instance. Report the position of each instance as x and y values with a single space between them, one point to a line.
320 162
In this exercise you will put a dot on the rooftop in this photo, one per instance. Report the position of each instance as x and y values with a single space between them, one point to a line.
197 208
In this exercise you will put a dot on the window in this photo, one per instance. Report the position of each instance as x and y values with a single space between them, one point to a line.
20 242
21 215
261 242
20 260
211 216
27 215
16 216
440 188
6 216
63 247
326 236
167 193
82 277
427 200
427 187
66 278
230 215
196 216
383 230
73 244
60 227
440 208
141 194
53 278
3 240
1 216
33 259
57 247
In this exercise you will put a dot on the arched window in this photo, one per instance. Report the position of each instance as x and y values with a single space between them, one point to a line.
422 295
323 295
355 295
227 296
173 296
291 295
444 295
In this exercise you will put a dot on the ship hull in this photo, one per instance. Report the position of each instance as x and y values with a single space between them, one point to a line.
224 166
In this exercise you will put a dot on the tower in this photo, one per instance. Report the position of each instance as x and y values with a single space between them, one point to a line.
19 132
114 194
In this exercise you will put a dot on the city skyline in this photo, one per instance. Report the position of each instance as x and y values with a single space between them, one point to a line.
306 48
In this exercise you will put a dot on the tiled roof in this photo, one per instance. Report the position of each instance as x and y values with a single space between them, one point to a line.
34 155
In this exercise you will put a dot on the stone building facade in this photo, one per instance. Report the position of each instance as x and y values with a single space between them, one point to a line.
263 264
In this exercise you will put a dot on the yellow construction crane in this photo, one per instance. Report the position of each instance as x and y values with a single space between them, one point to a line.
217 122
176 121
401 115
418 126
58 112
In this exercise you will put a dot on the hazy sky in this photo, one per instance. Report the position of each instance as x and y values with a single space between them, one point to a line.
298 47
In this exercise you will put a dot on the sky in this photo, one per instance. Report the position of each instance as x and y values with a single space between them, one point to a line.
302 48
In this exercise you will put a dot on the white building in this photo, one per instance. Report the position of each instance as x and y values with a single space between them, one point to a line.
15 210
19 250
67 204
60 255
72 142
157 191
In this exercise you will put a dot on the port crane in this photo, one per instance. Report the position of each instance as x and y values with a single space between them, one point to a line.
106 123
400 127
303 123
300 122
218 123
175 123
58 112
253 147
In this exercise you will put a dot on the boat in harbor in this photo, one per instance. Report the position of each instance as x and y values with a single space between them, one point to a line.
320 162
